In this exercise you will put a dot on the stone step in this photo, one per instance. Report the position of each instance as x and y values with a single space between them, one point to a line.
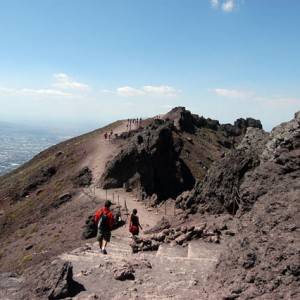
172 251
204 250
184 258
113 246
92 258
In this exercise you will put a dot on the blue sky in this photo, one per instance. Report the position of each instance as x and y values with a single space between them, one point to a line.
93 61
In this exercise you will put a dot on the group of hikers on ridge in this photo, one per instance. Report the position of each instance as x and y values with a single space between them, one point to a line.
109 135
131 123
104 219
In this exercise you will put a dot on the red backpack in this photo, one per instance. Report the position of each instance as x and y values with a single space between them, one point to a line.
98 215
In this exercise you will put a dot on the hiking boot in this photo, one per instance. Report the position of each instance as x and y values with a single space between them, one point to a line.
104 251
100 250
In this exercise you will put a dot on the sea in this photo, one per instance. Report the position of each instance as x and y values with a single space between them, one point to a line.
19 143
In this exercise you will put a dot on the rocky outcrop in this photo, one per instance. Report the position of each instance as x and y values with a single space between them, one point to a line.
182 119
180 235
152 162
89 229
186 121
161 158
220 190
240 126
83 178
262 261
42 177
55 281
125 272
62 199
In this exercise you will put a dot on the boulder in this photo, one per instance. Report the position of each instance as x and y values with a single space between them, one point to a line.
62 199
55 281
89 229
83 178
125 272
163 224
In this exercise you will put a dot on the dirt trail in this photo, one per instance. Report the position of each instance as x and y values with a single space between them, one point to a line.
103 151
173 272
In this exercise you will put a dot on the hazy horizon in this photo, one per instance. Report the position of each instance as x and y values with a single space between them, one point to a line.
76 128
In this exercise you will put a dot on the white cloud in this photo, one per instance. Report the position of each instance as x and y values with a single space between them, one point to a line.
33 92
228 6
43 92
253 97
6 91
106 91
128 91
225 5
161 90
65 82
279 101
148 90
231 93
61 87
214 3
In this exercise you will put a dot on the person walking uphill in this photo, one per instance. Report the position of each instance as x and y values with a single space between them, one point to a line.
104 220
134 224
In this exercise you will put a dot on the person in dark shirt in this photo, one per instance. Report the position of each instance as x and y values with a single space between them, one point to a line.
134 223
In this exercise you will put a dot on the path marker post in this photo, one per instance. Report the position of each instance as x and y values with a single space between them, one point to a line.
165 208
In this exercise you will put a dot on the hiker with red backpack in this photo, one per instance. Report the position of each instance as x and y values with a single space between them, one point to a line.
105 221
134 223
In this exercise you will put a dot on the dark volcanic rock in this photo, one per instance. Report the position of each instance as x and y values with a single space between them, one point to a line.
151 161
161 225
186 121
83 178
43 176
240 126
62 199
90 228
220 190
125 272
262 260
182 119
55 281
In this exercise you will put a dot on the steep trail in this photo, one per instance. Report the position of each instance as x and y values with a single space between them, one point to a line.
172 272
103 151
175 272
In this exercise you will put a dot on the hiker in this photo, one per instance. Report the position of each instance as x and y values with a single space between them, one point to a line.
134 223
104 220
105 135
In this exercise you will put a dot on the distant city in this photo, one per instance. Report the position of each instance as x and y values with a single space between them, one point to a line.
18 144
